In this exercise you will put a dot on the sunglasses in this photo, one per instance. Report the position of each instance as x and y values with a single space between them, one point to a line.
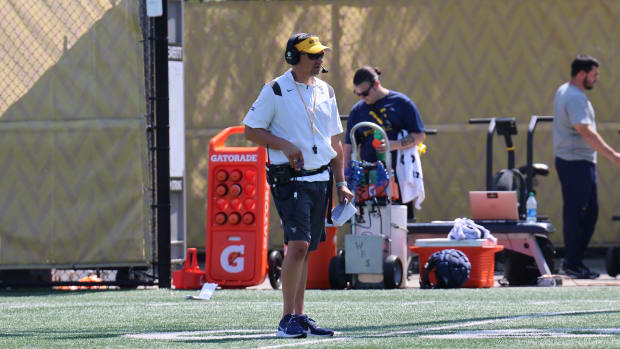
314 56
365 93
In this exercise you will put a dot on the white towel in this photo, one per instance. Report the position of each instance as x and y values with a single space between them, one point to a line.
409 172
466 229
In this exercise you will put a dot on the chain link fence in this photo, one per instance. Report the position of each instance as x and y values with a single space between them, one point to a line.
76 114
34 37
456 60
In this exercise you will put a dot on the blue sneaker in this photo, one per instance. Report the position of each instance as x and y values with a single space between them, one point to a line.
579 272
290 328
310 327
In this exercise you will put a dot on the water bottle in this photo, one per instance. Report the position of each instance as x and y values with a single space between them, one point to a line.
378 137
530 205
372 177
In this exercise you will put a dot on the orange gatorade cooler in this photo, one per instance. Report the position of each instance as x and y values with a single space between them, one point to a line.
318 262
237 213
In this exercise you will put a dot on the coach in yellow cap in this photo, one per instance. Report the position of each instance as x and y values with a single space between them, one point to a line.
296 118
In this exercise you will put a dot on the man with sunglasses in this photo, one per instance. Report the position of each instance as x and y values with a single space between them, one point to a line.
391 110
296 117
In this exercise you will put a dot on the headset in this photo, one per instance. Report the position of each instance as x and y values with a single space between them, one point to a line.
291 55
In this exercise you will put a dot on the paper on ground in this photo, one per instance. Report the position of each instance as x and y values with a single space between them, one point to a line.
205 293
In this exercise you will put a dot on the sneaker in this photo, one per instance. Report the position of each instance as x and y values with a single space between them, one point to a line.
310 327
574 273
589 273
580 272
289 327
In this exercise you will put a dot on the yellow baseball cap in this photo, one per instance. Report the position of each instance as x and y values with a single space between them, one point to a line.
311 45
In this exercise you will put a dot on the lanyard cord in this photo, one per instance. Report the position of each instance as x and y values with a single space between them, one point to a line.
311 116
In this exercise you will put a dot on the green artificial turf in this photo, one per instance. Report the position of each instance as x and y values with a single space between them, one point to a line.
560 317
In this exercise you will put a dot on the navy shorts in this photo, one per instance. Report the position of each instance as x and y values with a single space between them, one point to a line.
302 206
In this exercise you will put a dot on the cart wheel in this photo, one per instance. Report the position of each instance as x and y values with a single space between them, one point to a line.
612 261
392 272
275 269
521 269
337 275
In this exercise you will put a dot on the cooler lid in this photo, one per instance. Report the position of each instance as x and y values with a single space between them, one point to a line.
445 242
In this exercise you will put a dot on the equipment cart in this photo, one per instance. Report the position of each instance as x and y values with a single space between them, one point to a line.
375 254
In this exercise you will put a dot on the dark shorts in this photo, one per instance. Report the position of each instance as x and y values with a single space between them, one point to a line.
302 206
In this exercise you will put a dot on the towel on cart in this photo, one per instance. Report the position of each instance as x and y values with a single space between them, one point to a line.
409 172
466 229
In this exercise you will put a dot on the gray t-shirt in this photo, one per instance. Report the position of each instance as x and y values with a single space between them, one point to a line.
572 107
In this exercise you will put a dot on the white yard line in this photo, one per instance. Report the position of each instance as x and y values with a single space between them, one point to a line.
300 342
520 333
203 335
439 328
524 333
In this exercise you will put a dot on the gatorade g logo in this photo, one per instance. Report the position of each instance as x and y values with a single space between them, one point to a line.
232 259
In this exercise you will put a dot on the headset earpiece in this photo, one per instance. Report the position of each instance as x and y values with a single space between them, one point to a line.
291 55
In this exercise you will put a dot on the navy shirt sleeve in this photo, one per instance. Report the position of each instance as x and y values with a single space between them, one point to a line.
413 120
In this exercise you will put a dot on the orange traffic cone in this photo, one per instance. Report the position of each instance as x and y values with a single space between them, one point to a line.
190 277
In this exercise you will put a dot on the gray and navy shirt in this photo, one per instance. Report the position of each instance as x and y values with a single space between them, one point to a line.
572 107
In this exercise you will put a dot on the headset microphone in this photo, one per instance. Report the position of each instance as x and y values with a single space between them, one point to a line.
324 70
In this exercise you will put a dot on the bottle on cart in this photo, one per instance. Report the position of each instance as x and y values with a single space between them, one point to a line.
376 142
372 177
531 206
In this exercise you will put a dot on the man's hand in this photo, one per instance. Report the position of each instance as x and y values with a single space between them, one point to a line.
344 193
597 143
294 156
263 137
380 147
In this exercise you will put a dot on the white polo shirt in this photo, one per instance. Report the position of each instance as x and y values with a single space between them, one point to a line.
285 117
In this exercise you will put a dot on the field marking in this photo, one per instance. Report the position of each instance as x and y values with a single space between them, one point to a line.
524 333
439 328
511 333
306 342
203 335
484 322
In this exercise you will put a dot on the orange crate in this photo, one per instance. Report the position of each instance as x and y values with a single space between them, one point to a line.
481 258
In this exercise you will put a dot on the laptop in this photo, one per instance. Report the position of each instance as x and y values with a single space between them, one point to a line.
494 206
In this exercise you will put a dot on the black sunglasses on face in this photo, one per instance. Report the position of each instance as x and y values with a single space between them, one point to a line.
314 56
365 93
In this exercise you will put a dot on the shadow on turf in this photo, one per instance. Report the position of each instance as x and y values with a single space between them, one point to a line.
61 335
408 326
33 292
65 335
421 326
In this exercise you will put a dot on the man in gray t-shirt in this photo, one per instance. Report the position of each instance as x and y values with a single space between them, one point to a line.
572 107
575 145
